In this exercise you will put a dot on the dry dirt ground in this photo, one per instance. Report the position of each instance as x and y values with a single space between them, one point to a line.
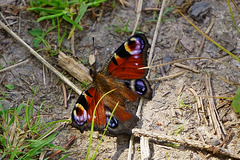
165 114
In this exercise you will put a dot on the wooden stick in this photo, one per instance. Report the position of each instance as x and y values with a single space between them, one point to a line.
77 70
167 77
65 146
185 141
218 126
15 65
40 58
64 95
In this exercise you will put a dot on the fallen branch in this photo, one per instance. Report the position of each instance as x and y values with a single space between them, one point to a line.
77 70
184 141
40 58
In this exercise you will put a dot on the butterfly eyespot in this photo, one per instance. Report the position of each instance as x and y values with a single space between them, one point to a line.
79 115
79 107
113 123
134 46
140 87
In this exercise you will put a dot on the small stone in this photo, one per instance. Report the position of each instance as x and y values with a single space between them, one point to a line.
214 142
199 11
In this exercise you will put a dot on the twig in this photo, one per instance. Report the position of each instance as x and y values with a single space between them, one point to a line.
156 33
226 138
193 58
124 2
65 146
202 155
227 81
64 95
19 22
185 141
218 126
44 76
72 45
59 125
135 6
201 137
236 6
203 111
40 58
186 67
167 77
2 78
138 113
15 65
151 9
203 38
77 70
130 150
100 14
145 150
139 9
198 103
69 95
5 19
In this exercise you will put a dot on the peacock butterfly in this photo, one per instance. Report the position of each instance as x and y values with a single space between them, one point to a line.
122 74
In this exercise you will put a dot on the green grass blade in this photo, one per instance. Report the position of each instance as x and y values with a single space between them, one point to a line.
62 38
92 126
49 11
65 156
95 153
50 17
3 112
27 115
82 10
72 22
37 145
96 3
14 153
236 102
234 22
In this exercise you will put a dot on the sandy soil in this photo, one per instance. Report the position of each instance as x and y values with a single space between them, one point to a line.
163 114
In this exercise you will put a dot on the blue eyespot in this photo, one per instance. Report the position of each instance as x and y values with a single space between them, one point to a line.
140 87
113 123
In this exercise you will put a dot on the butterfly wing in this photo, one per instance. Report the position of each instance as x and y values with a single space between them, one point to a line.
125 64
121 122
82 113
123 74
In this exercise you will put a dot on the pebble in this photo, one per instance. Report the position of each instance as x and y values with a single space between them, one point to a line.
199 11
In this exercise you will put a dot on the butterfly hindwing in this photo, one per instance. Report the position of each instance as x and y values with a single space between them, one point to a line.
121 121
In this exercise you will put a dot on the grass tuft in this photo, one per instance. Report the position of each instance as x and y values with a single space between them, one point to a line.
20 133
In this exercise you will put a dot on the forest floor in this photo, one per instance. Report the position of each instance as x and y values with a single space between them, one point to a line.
182 106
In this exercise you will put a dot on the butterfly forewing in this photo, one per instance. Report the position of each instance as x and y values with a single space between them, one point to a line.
127 60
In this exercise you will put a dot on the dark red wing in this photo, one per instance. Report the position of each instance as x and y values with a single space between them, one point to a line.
83 111
130 56
127 60
82 114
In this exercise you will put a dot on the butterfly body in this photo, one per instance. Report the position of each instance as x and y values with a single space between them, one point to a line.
121 74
